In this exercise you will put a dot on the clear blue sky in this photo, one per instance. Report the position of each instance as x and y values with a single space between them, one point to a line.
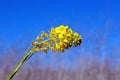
20 18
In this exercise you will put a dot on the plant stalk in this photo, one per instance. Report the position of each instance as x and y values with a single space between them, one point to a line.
15 70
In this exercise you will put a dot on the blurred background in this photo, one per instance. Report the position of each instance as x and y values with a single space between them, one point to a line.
97 21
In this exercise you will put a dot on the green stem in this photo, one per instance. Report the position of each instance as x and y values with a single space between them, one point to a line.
15 70
25 57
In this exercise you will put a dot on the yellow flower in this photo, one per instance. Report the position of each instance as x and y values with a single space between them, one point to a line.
66 41
61 27
52 30
53 49
57 30
34 43
34 50
59 39
44 34
66 28
57 46
39 38
44 49
70 31
61 49
76 35
60 36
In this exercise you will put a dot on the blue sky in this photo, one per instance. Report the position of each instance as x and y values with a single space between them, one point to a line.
26 18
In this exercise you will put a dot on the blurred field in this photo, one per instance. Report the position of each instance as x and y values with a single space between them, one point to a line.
83 68
95 59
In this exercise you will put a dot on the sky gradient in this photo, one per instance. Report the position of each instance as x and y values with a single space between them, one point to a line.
26 18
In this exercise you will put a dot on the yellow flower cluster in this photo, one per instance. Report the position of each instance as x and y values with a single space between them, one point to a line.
59 39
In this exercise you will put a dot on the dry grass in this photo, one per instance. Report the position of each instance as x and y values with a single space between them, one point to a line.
84 69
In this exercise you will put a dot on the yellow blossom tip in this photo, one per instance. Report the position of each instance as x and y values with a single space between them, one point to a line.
34 50
58 39
34 43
